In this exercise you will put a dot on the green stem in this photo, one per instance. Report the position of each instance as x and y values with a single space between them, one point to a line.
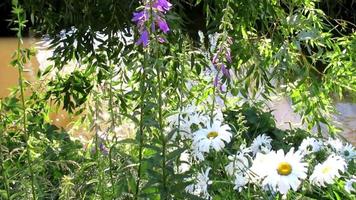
112 115
163 138
213 105
141 128
180 97
22 97
97 155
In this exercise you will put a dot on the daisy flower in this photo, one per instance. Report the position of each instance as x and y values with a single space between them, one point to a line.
347 151
257 171
187 117
261 143
281 172
240 181
334 144
184 159
200 187
239 164
349 185
310 145
214 136
196 154
326 172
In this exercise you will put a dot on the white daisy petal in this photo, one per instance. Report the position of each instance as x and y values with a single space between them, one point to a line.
278 171
328 171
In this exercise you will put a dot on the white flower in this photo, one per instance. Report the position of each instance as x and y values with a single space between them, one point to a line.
196 154
200 187
310 145
184 162
257 171
347 151
327 171
213 136
334 144
240 181
280 171
349 185
184 120
239 164
261 143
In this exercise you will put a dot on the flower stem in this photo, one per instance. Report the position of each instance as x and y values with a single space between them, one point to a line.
163 138
141 128
113 123
19 65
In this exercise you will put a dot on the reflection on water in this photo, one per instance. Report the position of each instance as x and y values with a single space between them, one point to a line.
282 108
9 75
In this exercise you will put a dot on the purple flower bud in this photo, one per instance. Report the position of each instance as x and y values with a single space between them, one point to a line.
162 5
153 27
228 56
215 58
143 39
162 24
140 17
103 149
161 40
216 80
223 88
225 71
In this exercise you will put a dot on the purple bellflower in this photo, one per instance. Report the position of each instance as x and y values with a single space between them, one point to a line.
162 5
159 8
140 17
219 60
162 24
144 38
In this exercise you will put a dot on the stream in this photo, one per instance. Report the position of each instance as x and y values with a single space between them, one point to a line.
282 110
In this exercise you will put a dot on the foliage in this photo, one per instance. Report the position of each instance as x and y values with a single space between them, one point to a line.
195 100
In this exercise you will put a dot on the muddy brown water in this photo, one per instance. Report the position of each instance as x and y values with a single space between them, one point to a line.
282 108
9 75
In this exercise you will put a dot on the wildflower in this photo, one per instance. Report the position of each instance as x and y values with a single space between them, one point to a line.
144 38
347 151
103 149
184 162
225 71
238 164
257 170
349 185
240 181
196 154
213 136
185 119
310 145
162 24
160 7
262 143
334 144
219 60
326 172
281 172
140 17
238 167
200 187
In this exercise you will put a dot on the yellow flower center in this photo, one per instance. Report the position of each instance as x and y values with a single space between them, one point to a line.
212 134
326 170
284 168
